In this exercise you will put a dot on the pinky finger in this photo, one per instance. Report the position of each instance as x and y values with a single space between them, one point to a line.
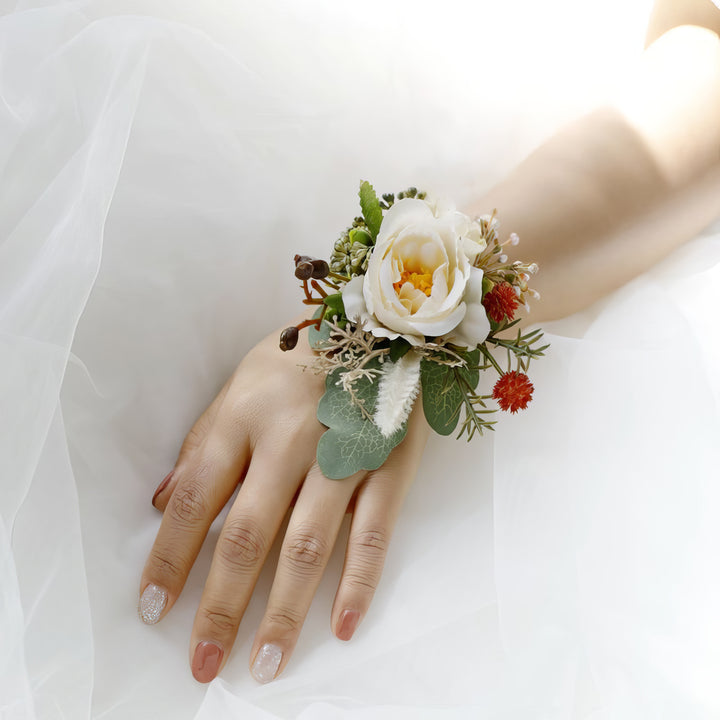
192 442
377 505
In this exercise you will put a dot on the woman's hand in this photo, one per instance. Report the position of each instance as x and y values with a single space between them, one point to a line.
262 431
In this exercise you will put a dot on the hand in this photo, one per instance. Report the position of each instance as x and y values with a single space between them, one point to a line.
262 431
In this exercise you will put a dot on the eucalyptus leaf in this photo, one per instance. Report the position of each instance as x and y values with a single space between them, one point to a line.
317 337
371 210
352 441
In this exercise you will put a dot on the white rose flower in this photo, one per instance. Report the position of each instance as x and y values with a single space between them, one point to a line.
420 279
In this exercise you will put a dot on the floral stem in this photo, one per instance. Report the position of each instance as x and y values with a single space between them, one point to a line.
308 295
317 286
488 356
312 321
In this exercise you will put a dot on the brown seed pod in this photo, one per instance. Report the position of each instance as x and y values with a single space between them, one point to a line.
304 270
289 338
320 269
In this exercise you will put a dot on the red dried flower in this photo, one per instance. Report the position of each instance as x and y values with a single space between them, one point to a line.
513 391
501 302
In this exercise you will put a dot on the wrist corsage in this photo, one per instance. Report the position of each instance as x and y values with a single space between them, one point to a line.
415 300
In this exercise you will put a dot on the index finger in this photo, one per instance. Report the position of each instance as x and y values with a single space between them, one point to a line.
204 484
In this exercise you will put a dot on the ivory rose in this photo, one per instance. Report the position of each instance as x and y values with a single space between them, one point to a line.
420 280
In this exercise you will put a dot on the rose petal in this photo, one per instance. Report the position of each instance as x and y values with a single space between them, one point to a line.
412 337
475 326
434 327
404 212
353 299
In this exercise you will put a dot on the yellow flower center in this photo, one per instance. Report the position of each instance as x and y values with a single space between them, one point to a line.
420 281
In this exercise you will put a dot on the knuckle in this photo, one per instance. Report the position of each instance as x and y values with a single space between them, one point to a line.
284 619
372 542
242 544
306 552
219 619
360 581
166 567
365 561
189 503
243 409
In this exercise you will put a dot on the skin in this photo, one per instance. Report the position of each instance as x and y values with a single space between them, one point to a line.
619 189
262 430
596 205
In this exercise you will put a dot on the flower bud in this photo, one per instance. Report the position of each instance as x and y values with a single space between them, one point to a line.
320 269
304 270
289 338
302 258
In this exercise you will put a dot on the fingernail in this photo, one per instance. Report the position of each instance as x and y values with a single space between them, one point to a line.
267 662
348 622
162 485
152 603
206 661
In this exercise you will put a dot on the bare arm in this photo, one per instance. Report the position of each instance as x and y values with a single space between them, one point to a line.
622 187
669 14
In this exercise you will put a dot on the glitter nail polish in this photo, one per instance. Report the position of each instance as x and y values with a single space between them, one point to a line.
152 603
267 662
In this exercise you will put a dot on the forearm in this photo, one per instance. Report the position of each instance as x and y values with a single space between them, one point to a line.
619 189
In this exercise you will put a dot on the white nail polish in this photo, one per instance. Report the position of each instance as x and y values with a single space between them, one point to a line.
152 603
267 662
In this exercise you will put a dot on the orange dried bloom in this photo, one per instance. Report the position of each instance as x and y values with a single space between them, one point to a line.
513 391
501 302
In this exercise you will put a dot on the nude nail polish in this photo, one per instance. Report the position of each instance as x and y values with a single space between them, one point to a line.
162 485
206 661
152 602
348 622
267 662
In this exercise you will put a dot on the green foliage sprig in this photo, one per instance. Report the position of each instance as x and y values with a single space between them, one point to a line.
356 362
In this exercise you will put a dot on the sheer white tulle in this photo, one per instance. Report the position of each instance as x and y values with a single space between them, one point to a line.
161 162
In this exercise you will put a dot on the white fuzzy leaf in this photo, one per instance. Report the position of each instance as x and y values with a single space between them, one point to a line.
399 386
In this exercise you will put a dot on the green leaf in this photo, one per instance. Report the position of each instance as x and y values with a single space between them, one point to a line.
470 373
398 348
487 285
335 306
352 442
371 210
361 236
443 394
317 337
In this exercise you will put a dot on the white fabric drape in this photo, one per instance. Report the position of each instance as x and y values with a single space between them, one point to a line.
161 163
